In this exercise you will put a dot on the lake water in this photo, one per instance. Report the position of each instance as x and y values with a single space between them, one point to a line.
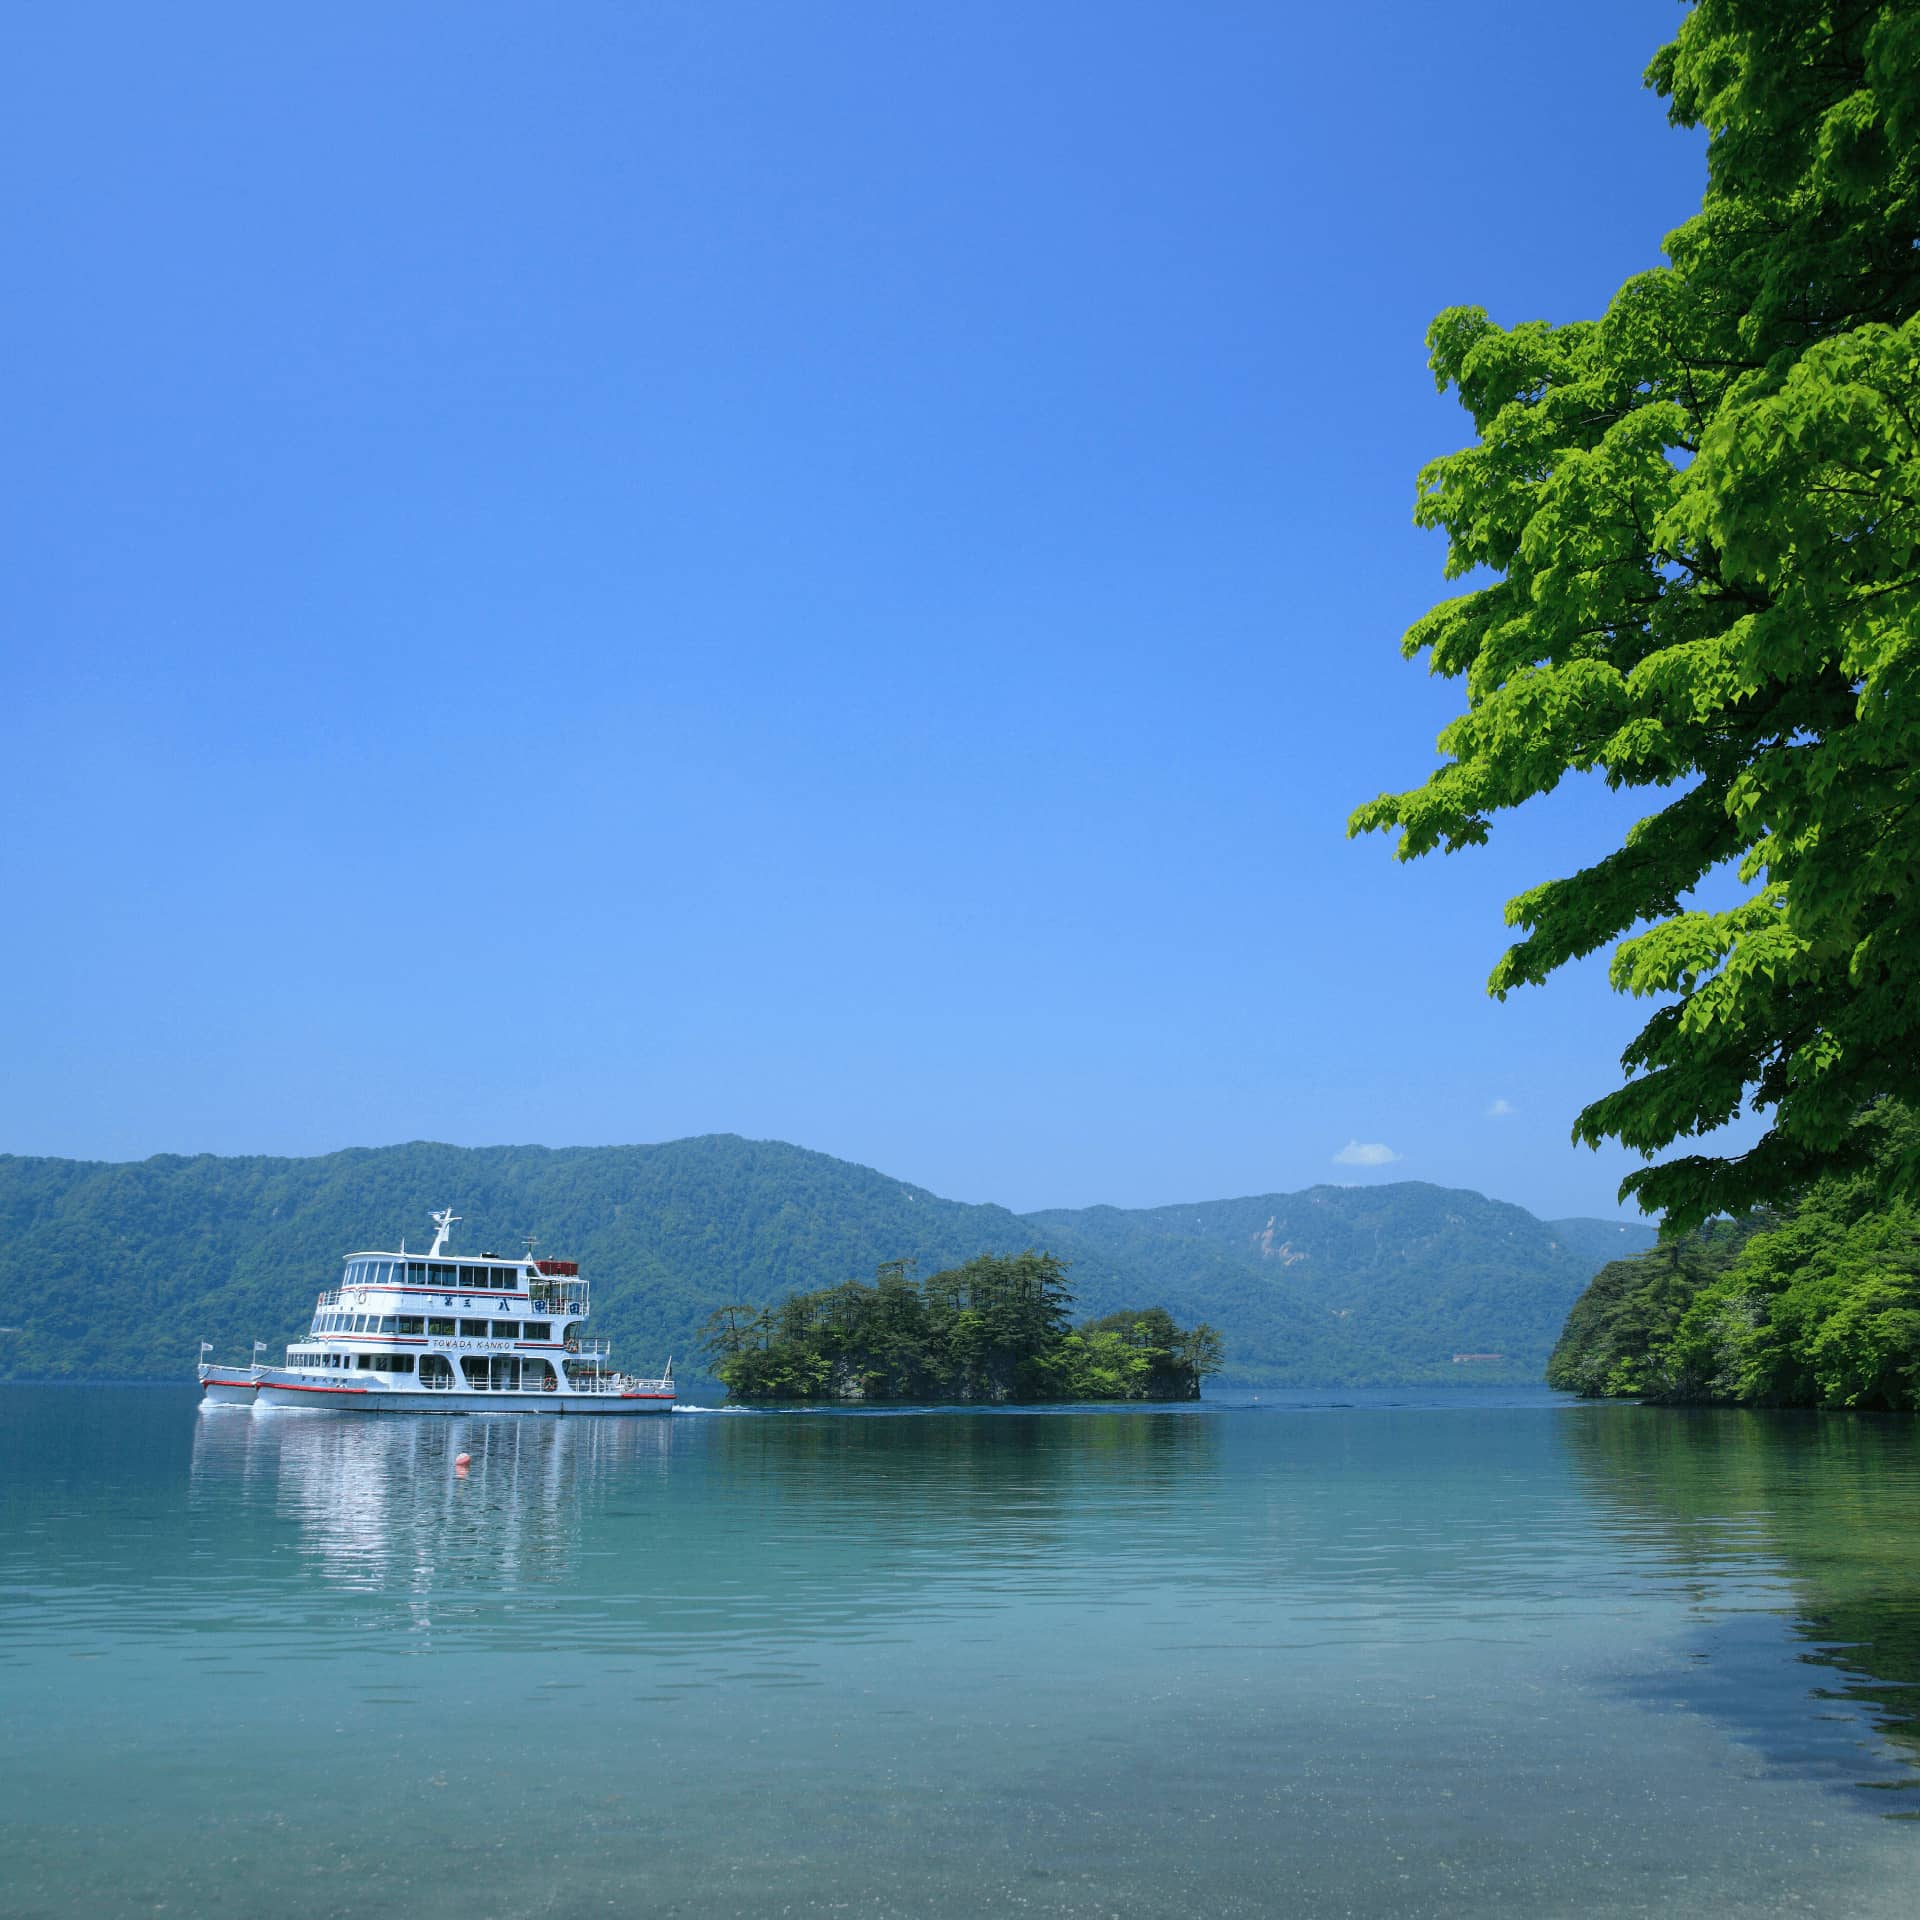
1457 1654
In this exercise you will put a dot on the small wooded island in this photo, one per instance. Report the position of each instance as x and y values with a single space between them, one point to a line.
997 1329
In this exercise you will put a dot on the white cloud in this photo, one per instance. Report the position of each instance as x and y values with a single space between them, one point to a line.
1364 1153
1500 1109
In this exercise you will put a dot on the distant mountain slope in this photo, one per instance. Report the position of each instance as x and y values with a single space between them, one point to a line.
117 1271
1598 1241
1381 1283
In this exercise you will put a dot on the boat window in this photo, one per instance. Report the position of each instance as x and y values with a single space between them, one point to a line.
416 1273
473 1329
539 1330
443 1328
443 1273
387 1324
506 1329
410 1323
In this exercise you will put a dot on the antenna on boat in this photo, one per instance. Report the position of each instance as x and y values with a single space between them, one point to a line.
444 1220
532 1240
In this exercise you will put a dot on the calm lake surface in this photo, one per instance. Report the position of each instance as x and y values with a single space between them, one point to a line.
1451 1654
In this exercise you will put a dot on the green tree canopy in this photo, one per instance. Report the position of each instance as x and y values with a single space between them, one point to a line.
995 1328
1701 518
1815 1306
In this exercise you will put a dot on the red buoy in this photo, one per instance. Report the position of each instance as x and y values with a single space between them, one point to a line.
463 1461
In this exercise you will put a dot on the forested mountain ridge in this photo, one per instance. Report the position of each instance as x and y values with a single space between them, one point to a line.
117 1271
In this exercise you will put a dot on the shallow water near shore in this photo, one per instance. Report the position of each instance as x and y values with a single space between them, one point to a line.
1335 1653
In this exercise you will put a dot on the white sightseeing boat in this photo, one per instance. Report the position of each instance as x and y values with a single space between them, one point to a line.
412 1333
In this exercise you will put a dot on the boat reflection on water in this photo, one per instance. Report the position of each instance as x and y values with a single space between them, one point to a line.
381 1504
704 1530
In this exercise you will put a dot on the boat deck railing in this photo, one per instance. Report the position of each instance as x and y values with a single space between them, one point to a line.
578 1383
548 1300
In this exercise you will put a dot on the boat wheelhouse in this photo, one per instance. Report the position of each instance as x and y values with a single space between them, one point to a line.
426 1333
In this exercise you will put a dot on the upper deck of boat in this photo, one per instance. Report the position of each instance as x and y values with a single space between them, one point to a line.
376 1271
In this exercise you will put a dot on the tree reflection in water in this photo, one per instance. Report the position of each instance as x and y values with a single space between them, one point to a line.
1829 1504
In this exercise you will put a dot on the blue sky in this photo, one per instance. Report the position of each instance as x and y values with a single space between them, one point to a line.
832 572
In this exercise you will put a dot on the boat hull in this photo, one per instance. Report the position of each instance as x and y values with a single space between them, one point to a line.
570 1406
226 1387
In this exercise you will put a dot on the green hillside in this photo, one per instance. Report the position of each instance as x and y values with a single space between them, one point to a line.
1354 1284
117 1271
1815 1305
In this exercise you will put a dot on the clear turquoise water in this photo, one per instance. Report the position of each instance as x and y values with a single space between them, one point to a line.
1477 1654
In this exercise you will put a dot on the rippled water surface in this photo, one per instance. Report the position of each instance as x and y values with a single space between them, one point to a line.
1462 1655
